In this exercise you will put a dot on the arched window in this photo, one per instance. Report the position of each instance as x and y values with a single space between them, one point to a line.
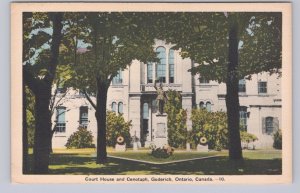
242 85
171 66
208 106
202 80
145 111
161 65
149 72
201 105
114 107
118 78
243 118
120 107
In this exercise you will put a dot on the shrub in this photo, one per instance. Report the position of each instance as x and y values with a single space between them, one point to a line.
277 144
247 138
177 117
212 126
116 127
163 152
82 138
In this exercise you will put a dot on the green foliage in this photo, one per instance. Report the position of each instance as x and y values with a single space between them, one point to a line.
211 125
177 117
163 152
113 41
247 138
82 138
116 126
277 144
204 38
206 42
30 116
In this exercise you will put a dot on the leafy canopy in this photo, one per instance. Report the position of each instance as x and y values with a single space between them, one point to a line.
113 41
203 37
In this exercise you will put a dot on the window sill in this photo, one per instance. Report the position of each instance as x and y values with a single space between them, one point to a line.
60 136
263 95
243 94
117 86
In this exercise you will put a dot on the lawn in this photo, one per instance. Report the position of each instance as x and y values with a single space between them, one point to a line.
145 156
83 162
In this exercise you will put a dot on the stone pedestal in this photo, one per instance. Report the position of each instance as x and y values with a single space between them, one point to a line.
202 148
160 130
120 148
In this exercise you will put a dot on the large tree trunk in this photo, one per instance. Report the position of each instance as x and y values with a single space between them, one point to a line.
232 97
25 135
52 133
100 114
42 92
42 137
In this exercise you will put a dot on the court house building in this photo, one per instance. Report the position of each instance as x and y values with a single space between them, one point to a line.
132 93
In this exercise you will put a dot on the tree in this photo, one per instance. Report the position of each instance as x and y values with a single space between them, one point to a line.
38 75
177 117
227 47
61 83
116 126
115 40
212 126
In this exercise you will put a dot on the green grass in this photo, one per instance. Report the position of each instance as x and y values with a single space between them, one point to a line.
256 162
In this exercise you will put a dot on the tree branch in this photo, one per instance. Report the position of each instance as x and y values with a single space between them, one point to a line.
89 99
52 101
61 98
56 40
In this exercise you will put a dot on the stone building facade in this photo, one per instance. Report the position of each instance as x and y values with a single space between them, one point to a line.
132 93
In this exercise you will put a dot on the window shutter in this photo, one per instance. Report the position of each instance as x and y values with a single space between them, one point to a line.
263 126
276 124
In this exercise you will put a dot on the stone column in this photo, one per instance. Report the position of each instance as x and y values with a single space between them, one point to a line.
187 104
135 115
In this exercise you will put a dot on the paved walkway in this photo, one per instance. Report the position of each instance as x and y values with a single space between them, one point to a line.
157 163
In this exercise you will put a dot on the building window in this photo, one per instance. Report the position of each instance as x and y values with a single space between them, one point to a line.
171 66
120 107
208 106
83 116
269 125
203 80
118 78
161 65
243 118
114 107
145 111
60 119
262 87
154 106
201 105
242 85
149 73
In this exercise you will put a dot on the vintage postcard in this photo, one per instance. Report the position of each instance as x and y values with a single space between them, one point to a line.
160 93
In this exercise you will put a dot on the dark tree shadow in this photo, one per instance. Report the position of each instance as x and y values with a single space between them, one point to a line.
85 165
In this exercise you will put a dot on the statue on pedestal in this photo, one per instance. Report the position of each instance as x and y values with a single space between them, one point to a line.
161 97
